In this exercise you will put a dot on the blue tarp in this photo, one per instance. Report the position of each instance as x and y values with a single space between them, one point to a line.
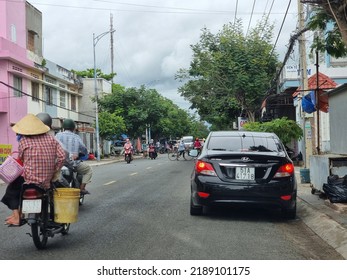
307 104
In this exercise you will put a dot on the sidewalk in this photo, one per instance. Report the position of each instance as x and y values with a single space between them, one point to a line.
327 220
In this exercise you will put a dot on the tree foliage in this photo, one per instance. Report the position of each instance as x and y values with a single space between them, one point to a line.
331 39
110 124
89 73
142 108
286 130
230 73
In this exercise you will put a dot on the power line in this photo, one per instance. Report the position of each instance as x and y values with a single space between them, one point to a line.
250 17
39 99
285 15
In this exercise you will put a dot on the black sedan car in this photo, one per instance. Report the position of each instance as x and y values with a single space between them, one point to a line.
244 168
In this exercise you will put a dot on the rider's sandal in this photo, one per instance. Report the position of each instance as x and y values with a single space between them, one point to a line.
85 192
13 225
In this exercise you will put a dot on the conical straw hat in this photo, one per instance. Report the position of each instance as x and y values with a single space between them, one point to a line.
30 125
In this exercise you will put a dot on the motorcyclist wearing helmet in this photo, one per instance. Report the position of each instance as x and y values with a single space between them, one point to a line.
47 120
73 145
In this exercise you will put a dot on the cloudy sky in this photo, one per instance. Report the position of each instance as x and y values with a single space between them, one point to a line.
152 38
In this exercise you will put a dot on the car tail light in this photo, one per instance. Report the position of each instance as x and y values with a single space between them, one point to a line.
203 194
286 197
285 170
204 168
31 194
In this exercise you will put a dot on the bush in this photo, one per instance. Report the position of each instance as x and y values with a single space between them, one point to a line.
286 130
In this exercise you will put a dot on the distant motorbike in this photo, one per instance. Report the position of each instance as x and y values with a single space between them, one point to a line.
152 152
128 155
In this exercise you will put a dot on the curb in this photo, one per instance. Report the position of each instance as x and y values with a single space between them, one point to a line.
325 227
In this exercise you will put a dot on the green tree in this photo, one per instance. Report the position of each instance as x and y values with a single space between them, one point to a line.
335 40
230 73
142 107
331 41
110 124
286 130
89 73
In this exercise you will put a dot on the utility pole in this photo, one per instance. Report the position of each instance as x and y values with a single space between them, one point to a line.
111 33
306 124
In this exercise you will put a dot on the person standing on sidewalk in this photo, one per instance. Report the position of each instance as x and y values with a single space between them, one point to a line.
73 145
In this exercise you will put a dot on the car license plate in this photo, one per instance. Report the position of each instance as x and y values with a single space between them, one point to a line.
245 173
31 206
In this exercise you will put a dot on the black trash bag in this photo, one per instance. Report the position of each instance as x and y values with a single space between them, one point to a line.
336 189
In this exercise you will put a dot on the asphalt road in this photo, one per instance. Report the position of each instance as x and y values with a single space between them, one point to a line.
140 211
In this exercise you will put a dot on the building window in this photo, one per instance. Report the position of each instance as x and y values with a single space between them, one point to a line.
62 99
73 103
35 93
13 33
31 41
49 96
17 84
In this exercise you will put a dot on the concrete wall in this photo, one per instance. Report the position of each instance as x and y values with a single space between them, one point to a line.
86 105
34 24
338 123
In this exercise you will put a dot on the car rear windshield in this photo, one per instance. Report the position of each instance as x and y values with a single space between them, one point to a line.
249 144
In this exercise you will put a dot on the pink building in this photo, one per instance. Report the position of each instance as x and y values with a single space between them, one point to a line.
20 46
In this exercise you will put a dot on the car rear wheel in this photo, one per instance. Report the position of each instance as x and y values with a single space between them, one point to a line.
195 210
289 214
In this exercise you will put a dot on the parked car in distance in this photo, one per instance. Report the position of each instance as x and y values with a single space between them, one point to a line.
243 168
188 141
117 147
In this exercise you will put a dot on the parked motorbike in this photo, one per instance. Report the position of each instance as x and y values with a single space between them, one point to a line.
37 207
128 155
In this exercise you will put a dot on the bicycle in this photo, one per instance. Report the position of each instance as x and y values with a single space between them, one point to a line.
174 154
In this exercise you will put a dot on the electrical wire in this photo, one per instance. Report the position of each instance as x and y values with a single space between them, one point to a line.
250 19
39 99
285 15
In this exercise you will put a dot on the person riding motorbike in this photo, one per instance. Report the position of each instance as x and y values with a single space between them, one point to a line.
42 157
152 151
73 145
128 148
197 145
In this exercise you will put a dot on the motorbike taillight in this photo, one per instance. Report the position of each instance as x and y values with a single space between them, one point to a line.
31 194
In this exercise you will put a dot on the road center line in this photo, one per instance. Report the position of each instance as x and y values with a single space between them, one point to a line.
132 174
109 183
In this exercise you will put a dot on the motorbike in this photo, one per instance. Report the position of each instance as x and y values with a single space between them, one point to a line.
37 207
71 179
152 153
128 155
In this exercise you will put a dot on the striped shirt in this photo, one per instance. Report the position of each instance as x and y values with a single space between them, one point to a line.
42 156
71 143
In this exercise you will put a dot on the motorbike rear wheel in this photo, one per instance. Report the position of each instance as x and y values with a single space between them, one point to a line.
39 236
39 227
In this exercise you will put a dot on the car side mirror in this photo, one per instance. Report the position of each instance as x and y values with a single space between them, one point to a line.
193 153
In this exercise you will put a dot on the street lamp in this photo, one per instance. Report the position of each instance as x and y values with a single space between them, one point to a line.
95 41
